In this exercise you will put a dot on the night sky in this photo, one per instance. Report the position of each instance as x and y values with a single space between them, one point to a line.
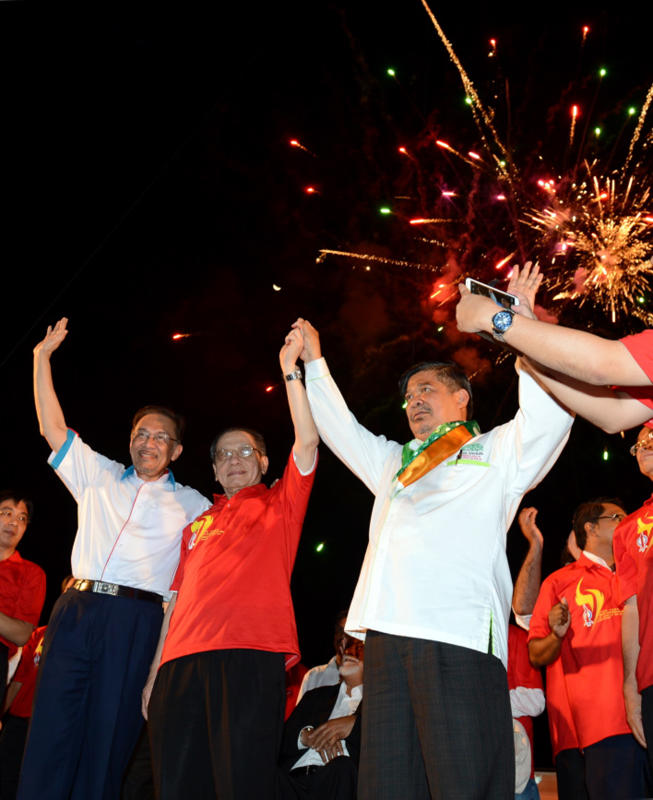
148 188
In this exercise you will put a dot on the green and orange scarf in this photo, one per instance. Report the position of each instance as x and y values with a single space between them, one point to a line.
442 443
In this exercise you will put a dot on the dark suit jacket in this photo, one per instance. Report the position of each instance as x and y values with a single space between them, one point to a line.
314 709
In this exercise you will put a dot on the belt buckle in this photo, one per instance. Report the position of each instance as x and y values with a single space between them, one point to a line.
106 588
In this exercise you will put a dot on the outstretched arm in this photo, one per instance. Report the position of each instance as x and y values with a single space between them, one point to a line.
527 585
51 419
306 435
577 354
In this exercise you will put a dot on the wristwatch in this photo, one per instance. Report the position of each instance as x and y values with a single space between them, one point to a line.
501 321
295 375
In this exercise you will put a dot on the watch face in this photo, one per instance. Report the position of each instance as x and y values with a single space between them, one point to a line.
502 320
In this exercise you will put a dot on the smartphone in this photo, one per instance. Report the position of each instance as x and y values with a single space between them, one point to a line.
504 299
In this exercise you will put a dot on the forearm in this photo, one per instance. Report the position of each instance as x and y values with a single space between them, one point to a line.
630 641
306 435
575 353
528 581
14 630
162 638
12 691
543 652
608 409
52 423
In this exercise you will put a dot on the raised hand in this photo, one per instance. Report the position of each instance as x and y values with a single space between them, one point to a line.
528 527
524 284
312 349
53 338
289 353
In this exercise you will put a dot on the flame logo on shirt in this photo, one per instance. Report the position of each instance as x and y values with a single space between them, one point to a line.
591 602
644 525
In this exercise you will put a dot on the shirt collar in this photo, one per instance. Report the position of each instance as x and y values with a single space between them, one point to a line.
596 559
245 492
167 475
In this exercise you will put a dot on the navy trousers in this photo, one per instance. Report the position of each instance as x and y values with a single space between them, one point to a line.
87 717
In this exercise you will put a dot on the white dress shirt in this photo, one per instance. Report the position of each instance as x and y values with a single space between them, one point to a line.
435 566
129 529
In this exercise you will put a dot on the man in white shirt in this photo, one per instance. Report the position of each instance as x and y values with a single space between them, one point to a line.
103 631
321 741
434 592
326 674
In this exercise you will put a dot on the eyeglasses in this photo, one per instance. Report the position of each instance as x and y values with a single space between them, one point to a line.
161 437
614 517
8 514
646 443
244 451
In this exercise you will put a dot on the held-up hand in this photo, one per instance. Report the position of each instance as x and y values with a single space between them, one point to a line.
474 312
53 338
528 527
524 284
311 350
289 353
560 618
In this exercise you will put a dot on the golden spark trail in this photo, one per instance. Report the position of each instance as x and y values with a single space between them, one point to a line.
476 106
640 123
378 259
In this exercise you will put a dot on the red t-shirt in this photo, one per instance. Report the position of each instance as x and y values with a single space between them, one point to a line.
522 673
640 346
233 578
633 555
584 684
26 674
22 591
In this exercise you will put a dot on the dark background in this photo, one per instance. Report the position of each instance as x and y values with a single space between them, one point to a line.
147 187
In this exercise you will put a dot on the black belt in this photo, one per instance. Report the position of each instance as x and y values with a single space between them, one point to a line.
307 770
115 590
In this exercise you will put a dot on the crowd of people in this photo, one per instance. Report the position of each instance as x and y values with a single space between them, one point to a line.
179 611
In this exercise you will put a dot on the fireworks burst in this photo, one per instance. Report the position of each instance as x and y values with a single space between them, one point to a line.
602 228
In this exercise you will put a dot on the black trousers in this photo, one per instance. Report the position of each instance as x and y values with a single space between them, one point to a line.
333 781
12 745
215 721
647 721
436 723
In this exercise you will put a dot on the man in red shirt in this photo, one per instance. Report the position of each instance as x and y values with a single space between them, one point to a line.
22 583
633 555
575 632
217 702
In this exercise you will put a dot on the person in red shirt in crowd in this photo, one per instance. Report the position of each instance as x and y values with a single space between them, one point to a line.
575 632
633 555
22 583
17 709
215 706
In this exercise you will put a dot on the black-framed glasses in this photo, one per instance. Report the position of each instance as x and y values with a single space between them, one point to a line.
244 451
617 517
160 437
